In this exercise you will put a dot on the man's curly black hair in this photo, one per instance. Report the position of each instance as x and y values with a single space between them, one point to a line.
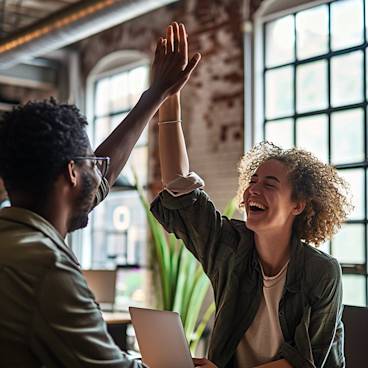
36 142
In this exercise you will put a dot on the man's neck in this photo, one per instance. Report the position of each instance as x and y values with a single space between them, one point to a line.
52 212
273 250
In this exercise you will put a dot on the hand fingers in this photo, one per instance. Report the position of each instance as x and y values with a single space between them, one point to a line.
176 36
183 42
192 64
158 51
170 39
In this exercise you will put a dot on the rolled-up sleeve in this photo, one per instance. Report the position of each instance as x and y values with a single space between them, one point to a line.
194 219
184 184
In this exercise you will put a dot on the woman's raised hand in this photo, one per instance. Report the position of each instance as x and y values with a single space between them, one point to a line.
171 69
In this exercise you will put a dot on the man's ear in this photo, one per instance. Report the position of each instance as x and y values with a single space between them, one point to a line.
299 207
72 175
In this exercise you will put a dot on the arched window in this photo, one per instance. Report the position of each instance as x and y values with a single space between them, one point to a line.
117 234
311 92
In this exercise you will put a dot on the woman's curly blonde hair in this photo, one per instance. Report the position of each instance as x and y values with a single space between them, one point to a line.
325 192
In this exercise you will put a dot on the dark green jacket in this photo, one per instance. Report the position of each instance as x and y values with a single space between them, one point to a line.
311 305
48 314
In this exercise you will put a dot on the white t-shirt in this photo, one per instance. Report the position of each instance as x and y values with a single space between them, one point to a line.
263 338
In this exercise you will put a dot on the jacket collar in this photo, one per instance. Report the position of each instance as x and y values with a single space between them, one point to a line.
35 221
296 266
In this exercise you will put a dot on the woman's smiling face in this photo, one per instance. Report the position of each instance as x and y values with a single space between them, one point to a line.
268 199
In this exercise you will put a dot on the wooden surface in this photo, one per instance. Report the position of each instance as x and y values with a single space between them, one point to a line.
112 318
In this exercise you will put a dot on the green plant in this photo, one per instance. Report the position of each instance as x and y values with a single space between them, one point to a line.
183 284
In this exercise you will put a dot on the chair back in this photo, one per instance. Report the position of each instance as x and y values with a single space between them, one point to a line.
355 321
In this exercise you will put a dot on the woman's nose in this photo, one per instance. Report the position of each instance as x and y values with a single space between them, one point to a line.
255 188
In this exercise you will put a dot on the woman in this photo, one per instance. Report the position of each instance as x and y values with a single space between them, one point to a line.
278 298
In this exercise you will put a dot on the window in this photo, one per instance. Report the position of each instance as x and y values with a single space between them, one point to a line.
118 224
314 87
117 234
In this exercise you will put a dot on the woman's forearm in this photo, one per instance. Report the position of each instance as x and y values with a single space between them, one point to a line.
173 153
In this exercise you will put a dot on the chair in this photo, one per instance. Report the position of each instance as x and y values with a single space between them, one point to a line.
356 331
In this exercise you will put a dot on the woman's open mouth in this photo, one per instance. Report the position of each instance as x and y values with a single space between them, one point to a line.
256 207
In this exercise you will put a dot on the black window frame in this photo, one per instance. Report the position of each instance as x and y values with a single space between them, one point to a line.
347 269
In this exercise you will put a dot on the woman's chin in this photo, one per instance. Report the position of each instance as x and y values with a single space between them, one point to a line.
254 224
250 224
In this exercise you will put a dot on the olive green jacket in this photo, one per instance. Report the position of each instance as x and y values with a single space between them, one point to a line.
311 305
48 315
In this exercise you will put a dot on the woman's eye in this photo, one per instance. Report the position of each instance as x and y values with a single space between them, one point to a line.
269 186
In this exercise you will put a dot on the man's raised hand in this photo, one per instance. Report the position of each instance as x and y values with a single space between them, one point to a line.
171 69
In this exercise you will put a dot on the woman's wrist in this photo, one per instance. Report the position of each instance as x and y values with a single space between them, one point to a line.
170 109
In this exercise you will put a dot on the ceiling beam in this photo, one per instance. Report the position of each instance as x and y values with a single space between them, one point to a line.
70 25
32 76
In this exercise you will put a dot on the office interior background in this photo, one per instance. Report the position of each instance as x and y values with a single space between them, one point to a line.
289 71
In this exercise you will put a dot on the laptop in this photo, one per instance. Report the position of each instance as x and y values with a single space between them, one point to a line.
161 338
103 285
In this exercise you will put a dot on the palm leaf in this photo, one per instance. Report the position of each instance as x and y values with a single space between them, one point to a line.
196 301
201 327
230 208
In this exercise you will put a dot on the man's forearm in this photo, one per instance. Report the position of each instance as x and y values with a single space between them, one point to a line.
119 144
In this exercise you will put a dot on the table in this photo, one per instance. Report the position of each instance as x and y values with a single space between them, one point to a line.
117 323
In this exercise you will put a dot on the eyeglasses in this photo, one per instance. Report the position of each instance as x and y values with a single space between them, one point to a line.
102 163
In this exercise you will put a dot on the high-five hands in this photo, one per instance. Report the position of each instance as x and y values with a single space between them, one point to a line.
171 69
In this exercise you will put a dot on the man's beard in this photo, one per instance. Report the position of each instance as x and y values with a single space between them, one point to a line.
84 202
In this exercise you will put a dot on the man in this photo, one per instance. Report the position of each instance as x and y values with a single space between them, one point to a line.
53 178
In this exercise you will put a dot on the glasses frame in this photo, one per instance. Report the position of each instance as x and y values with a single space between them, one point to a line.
102 163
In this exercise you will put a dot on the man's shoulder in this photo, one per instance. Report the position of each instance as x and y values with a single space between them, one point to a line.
25 247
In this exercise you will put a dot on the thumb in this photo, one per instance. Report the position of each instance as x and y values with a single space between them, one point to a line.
192 64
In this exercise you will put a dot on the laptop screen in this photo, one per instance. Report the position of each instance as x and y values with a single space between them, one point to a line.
103 285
